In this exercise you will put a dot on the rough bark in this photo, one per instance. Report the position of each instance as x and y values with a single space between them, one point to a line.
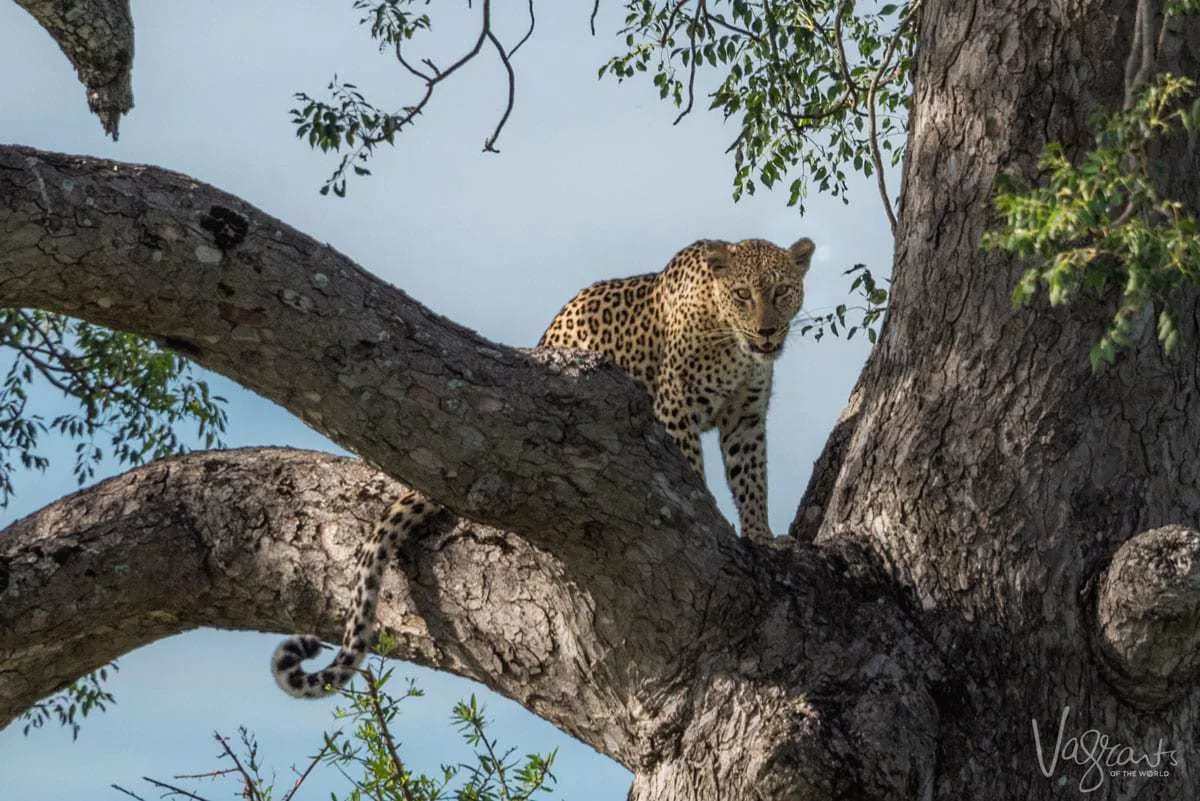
264 539
990 469
1002 538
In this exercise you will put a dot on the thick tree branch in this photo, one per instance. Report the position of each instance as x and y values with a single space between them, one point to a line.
97 36
485 429
263 539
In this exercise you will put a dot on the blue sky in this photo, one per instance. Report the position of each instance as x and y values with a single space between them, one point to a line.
592 182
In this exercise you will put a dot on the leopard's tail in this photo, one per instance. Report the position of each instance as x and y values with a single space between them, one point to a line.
373 556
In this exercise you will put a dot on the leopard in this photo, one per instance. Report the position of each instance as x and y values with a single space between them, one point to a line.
701 336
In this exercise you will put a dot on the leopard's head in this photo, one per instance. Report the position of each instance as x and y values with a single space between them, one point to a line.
758 288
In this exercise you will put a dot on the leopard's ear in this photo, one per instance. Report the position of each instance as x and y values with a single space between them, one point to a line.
802 250
718 255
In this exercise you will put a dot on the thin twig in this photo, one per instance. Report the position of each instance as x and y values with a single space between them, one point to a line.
729 26
872 123
404 63
691 85
249 786
839 41
389 741
174 790
121 789
439 75
528 33
495 762
1125 216
328 746
670 23
489 143
211 774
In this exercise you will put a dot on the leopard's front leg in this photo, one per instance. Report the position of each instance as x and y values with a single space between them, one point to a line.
743 426
681 421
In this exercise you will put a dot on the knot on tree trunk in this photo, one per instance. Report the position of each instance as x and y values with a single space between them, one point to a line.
1148 613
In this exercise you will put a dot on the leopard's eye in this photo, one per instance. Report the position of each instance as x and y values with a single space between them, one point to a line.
782 291
742 295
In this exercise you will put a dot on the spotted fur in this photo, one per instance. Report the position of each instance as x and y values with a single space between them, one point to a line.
701 336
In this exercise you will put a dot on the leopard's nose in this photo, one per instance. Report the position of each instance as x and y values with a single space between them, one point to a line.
767 332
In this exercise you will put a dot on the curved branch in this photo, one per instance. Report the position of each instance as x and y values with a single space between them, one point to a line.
97 36
262 539
547 444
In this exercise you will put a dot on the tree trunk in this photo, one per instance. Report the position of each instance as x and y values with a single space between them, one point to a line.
992 472
994 592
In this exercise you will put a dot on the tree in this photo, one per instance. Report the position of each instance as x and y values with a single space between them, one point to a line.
993 591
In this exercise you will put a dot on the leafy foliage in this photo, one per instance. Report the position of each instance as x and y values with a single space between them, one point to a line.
71 704
819 86
129 391
874 305
348 120
1103 224
370 757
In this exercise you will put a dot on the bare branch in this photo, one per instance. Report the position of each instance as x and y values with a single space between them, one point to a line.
259 535
172 790
97 37
670 23
528 33
839 41
250 789
313 761
873 132
398 49
265 533
262 539
489 144
721 22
